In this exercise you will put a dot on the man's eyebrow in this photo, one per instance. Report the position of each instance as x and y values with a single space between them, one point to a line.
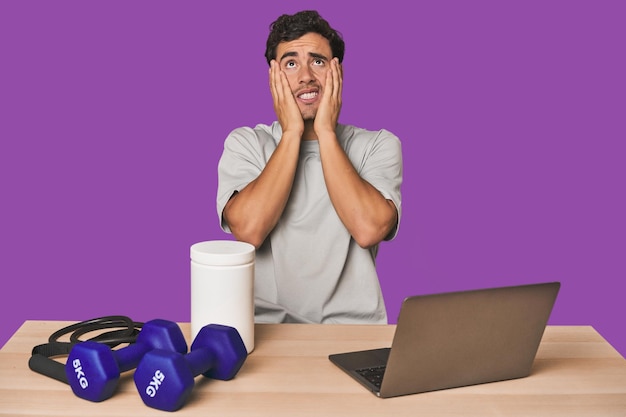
318 56
288 54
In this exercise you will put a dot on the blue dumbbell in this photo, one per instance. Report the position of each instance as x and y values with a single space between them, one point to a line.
166 379
93 369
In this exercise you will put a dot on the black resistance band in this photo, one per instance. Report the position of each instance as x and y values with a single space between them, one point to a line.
41 359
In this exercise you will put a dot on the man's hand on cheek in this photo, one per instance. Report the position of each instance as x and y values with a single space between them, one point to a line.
285 105
330 105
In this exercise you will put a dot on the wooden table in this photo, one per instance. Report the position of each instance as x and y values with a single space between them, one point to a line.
576 373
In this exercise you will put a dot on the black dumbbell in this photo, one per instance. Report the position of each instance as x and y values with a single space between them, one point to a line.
166 379
93 369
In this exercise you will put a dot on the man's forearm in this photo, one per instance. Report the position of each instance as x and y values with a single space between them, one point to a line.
252 213
365 212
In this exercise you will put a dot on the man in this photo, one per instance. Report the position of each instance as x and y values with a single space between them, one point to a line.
315 197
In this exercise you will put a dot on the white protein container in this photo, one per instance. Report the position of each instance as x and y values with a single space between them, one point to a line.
222 287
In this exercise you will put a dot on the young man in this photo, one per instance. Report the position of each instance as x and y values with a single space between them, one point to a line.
315 197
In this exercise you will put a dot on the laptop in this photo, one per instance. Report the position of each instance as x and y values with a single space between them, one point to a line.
456 339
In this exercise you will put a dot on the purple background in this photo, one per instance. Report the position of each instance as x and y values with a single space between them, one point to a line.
113 116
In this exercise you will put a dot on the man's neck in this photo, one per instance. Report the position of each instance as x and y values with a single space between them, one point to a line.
309 132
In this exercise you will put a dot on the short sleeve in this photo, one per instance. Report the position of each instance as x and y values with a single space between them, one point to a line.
382 167
242 160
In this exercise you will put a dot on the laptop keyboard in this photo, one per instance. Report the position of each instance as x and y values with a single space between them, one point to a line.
373 375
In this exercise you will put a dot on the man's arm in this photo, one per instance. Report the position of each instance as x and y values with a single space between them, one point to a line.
253 212
366 213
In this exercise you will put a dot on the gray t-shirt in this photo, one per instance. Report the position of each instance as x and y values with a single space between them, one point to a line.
309 269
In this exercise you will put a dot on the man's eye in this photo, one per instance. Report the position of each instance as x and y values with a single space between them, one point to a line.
318 62
290 64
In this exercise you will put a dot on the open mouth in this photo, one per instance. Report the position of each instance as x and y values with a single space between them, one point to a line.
308 95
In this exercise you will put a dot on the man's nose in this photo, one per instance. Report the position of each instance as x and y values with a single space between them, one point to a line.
306 75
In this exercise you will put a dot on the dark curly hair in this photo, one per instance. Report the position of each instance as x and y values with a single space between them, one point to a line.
290 27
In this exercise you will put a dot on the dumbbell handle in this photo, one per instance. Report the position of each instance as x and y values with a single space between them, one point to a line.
128 357
200 360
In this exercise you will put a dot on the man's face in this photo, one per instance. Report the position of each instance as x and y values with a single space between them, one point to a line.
305 61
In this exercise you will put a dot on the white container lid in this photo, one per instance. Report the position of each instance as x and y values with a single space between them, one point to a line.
222 253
